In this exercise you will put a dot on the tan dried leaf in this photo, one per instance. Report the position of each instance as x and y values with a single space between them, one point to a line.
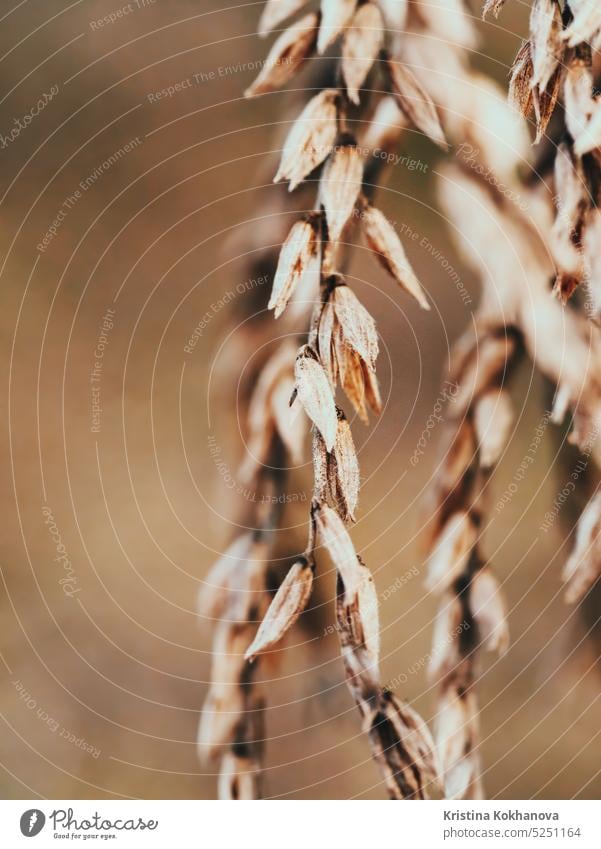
415 102
315 394
299 256
488 610
286 607
546 39
276 11
452 551
383 239
361 46
335 16
339 187
288 53
493 418
311 138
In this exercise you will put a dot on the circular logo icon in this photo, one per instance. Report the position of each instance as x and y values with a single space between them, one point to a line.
32 822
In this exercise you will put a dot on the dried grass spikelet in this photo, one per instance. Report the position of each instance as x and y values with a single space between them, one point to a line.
395 13
493 419
520 82
457 735
289 53
336 473
452 551
415 102
400 741
299 258
315 394
493 6
269 414
384 240
287 605
277 11
335 16
546 40
311 138
488 611
590 138
586 23
583 567
240 774
362 43
215 590
578 97
340 185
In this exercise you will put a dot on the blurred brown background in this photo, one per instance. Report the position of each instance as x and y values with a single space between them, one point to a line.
103 675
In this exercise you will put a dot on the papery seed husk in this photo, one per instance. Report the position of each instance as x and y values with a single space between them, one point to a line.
285 608
239 778
493 6
357 326
315 394
586 22
359 628
218 719
583 567
520 82
488 611
276 11
456 736
546 39
445 656
339 187
415 102
213 595
591 239
290 423
493 419
336 540
311 138
383 239
288 53
351 377
299 256
335 16
372 388
452 551
361 46
404 749
544 102
325 332
490 364
590 138
320 468
345 470
395 13
385 126
579 103
448 20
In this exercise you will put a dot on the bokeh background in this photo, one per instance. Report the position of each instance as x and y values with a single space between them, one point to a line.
102 676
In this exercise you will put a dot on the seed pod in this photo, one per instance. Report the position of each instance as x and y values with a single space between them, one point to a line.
445 655
493 418
546 39
315 394
383 239
339 187
583 567
343 471
286 607
385 127
395 13
590 138
493 6
404 750
358 329
578 97
311 138
299 257
290 423
351 375
359 628
288 54
415 102
361 46
520 82
276 11
452 551
335 16
335 539
456 737
586 23
488 611
214 591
